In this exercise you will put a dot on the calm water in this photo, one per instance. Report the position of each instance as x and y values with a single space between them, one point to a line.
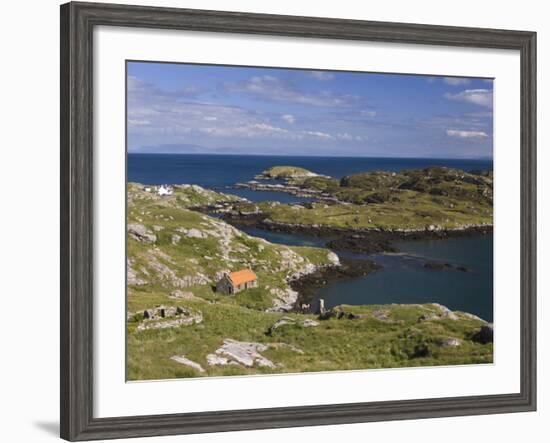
403 278
284 238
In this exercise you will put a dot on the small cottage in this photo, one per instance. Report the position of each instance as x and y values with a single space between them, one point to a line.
238 281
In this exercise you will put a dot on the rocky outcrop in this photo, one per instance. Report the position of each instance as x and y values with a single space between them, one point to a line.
381 315
446 312
184 295
472 317
450 343
243 353
132 276
484 335
442 266
297 191
308 285
338 314
164 317
181 359
284 299
429 316
333 259
162 266
141 233
307 323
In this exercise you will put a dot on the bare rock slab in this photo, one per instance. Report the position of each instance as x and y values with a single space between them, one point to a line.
181 359
243 353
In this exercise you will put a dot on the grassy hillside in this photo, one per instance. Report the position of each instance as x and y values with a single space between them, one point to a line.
179 327
383 336
172 247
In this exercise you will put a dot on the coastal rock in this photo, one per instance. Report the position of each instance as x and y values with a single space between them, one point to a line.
338 313
484 335
141 233
446 312
381 315
243 353
308 285
441 266
450 343
429 316
284 300
472 317
181 359
333 259
437 266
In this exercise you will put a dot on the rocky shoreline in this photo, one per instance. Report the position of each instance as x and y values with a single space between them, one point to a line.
297 191
308 285
367 241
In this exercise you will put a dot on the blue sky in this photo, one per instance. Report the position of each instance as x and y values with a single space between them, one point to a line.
184 108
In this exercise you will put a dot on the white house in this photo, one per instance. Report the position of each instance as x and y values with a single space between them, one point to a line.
164 190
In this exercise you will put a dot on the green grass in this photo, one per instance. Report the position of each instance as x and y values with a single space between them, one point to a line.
365 343
410 210
416 199
166 262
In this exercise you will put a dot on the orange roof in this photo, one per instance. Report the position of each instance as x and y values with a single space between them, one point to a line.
243 276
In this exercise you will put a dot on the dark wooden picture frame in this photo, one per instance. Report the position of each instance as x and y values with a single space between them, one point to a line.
77 24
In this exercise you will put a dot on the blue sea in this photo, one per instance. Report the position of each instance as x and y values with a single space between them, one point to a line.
403 278
219 171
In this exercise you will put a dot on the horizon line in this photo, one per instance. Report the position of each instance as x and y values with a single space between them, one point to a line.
308 155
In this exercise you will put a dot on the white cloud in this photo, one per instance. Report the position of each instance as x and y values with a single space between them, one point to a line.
456 81
318 134
368 113
271 88
345 136
157 118
321 75
480 97
349 138
466 134
288 118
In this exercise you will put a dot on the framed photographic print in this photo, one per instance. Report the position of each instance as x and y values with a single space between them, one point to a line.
273 221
